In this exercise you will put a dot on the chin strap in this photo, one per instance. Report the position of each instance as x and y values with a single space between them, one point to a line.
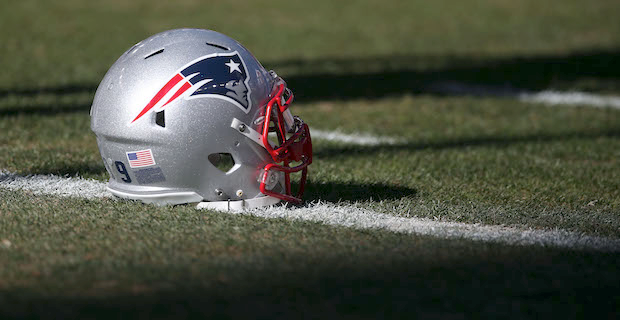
238 205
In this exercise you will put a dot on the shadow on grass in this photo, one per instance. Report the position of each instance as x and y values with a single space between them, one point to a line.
334 192
436 279
506 76
336 151
378 77
45 109
59 90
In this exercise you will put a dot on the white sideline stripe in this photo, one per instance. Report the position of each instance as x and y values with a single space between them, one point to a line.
549 97
359 218
54 185
342 215
572 98
357 138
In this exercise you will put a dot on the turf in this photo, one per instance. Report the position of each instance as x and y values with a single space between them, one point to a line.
364 67
110 259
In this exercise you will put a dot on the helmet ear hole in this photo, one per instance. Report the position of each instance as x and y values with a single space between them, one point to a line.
160 119
222 161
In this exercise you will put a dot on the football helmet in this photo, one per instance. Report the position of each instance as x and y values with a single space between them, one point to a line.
191 116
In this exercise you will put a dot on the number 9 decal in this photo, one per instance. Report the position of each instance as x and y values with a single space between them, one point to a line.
120 167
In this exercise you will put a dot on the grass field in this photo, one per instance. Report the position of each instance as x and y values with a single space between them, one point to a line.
478 155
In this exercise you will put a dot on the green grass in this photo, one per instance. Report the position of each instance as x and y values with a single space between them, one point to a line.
73 42
364 67
106 258
497 154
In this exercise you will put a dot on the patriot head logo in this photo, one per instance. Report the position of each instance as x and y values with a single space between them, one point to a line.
219 75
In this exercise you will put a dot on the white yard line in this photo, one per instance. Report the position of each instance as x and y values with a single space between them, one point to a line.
549 97
356 138
359 218
342 215
572 98
54 185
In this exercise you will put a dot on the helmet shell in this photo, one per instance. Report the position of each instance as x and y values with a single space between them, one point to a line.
182 134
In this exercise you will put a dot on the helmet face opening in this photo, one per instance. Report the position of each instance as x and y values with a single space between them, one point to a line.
215 123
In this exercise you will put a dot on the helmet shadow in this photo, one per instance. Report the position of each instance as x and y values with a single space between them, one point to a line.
351 191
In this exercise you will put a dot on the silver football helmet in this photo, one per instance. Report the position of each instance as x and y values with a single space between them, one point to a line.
190 116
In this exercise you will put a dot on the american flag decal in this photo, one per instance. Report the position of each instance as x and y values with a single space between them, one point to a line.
139 159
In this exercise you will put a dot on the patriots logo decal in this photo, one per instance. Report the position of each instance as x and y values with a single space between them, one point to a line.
220 75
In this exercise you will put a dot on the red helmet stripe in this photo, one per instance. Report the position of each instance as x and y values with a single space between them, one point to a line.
179 92
162 92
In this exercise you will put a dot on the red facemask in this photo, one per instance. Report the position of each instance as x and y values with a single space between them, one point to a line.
294 144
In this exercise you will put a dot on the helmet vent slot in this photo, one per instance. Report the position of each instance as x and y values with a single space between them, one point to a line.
223 161
160 119
154 53
218 46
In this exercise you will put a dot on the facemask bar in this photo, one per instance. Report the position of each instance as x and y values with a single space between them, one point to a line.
294 144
